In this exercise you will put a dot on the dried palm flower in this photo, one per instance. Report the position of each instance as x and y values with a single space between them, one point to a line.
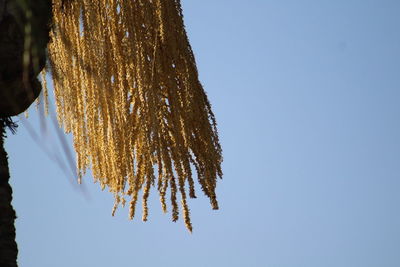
126 86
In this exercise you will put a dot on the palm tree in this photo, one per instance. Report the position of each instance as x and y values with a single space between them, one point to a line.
126 86
24 30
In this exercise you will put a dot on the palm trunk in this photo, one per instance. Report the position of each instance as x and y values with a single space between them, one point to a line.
24 27
8 245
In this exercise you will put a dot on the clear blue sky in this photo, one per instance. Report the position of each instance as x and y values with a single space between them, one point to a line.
307 97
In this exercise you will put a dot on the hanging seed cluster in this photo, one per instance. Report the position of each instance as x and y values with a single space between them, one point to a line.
126 86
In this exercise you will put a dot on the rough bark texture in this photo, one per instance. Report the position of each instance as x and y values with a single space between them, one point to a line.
24 34
8 245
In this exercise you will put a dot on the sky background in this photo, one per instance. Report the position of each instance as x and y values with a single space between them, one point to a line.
307 98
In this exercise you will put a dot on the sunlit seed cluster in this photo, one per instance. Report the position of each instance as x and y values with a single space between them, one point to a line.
126 86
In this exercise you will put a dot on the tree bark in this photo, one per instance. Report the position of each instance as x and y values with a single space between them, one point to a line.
8 245
24 34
